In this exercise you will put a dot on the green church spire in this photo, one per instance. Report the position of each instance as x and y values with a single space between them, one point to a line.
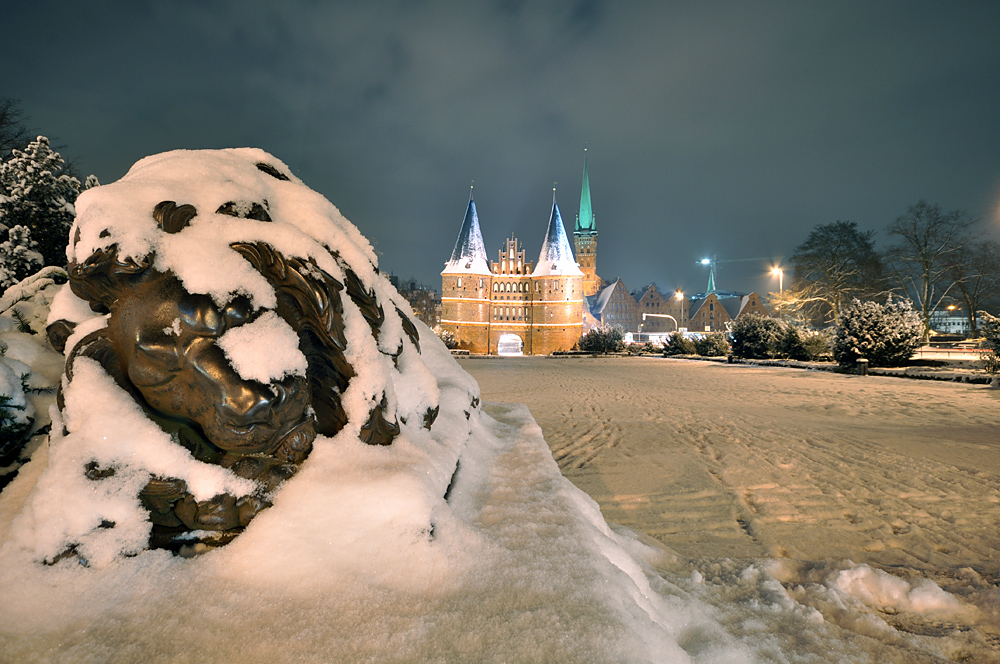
585 220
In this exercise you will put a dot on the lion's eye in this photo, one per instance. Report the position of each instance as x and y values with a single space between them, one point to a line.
200 315
237 312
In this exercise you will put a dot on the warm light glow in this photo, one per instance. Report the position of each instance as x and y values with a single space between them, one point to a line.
776 271
679 295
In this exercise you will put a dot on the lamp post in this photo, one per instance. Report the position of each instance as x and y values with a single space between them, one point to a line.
778 272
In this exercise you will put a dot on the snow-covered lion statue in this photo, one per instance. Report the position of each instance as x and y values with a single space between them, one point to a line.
243 316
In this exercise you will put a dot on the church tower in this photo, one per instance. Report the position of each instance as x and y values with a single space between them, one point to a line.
585 237
466 283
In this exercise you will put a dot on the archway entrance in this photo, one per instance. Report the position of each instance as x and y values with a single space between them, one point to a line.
510 344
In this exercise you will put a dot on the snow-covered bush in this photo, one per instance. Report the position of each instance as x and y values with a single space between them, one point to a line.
712 345
884 334
799 344
989 326
678 344
18 256
603 341
756 336
447 336
37 194
16 413
29 368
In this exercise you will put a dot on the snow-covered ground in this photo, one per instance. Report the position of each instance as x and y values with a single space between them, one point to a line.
870 504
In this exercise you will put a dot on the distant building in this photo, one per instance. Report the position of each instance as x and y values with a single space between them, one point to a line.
657 307
614 306
424 300
951 320
710 312
493 307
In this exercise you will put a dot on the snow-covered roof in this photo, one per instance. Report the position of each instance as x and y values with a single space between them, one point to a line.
556 257
469 254
600 300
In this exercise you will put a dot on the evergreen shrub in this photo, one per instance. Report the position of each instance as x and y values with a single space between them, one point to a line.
756 336
603 341
36 201
989 326
678 344
447 336
712 345
884 334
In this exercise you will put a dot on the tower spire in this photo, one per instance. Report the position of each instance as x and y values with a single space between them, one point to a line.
469 254
585 220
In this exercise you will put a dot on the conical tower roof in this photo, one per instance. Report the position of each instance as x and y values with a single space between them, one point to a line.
585 222
556 256
469 254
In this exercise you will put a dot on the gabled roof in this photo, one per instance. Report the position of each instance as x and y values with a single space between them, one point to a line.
556 256
469 254
732 305
599 300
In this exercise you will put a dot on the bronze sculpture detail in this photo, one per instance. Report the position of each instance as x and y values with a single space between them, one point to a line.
161 345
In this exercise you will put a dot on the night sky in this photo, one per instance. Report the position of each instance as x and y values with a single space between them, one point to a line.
728 128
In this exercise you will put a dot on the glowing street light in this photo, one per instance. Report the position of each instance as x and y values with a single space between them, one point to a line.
705 261
778 272
678 294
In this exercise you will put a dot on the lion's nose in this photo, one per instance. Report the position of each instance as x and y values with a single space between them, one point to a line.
248 404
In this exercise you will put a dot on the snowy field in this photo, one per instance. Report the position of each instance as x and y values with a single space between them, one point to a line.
874 501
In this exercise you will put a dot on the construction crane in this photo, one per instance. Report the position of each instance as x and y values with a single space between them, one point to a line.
714 260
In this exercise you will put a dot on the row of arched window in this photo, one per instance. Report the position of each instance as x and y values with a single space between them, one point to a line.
508 313
511 287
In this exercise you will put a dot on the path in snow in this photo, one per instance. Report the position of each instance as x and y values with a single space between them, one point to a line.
730 461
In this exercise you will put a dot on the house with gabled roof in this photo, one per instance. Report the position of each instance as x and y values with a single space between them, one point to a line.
614 306
710 312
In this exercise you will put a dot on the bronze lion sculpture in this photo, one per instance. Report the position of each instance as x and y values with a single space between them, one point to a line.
162 344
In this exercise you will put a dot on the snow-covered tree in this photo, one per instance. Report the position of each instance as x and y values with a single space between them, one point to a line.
19 257
835 264
989 325
447 336
884 334
36 193
712 345
603 341
930 243
756 336
12 130
678 344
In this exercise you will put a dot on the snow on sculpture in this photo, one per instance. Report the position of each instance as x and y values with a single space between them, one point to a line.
225 315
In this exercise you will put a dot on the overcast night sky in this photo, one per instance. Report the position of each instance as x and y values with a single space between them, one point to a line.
728 128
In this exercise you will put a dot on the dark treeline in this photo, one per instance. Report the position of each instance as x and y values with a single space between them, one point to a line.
934 258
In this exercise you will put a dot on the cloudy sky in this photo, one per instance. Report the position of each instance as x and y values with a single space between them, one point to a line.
713 128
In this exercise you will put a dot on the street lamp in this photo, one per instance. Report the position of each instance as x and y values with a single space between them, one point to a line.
778 272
